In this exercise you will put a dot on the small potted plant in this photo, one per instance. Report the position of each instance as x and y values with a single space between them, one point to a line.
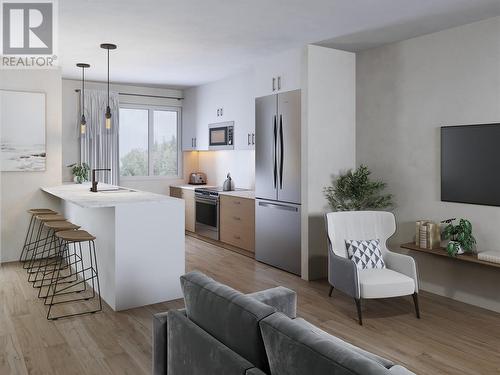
460 236
80 172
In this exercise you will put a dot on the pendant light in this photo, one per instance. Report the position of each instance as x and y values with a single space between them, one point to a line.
108 46
83 122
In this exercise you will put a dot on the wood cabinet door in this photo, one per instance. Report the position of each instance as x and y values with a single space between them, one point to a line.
237 222
188 196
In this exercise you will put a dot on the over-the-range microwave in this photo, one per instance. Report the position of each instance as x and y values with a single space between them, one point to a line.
221 136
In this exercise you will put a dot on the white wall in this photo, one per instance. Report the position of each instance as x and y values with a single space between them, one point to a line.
21 190
71 148
328 143
405 92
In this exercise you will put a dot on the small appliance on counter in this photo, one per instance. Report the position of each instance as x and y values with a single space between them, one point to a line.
197 178
228 183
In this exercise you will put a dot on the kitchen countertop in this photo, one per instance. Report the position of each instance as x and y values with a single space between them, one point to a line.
191 187
249 194
81 195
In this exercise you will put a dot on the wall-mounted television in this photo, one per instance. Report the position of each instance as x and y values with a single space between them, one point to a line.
470 164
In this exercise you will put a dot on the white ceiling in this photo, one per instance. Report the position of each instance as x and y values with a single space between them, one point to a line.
189 42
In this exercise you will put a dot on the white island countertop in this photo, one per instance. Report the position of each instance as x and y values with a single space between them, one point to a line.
106 196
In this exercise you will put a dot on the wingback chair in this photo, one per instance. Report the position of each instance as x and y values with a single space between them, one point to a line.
398 278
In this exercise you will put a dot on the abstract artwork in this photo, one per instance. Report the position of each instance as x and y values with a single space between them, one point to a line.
22 131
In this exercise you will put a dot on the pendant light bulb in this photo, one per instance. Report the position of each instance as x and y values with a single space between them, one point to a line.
83 121
108 118
108 46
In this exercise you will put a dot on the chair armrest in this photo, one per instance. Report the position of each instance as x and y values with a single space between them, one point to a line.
282 299
160 342
401 263
343 274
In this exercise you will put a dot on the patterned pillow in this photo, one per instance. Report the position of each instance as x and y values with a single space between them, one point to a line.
366 254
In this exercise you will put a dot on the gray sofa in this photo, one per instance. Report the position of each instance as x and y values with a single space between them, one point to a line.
224 332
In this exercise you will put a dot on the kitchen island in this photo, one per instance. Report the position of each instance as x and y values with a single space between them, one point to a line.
140 240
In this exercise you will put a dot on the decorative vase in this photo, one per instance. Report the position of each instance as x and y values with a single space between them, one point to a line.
460 249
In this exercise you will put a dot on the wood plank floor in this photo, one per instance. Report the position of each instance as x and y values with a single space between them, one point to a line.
451 337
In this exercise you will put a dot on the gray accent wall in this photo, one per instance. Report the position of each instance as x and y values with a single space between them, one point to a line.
405 92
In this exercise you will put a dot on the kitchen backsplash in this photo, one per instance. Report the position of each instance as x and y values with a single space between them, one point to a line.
240 163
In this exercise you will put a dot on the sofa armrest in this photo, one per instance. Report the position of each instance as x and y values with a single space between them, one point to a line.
343 274
401 263
282 299
160 342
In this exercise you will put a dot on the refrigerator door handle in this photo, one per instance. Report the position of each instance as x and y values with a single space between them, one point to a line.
282 152
275 161
278 206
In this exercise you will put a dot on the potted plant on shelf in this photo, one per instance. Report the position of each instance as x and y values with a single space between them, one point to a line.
355 191
460 236
80 172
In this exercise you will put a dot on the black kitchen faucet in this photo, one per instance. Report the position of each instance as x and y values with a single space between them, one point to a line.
94 181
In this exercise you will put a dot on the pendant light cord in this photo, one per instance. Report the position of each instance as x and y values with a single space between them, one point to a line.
108 78
83 91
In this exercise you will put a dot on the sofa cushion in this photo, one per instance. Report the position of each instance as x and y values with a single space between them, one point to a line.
384 283
294 349
383 361
228 315
193 351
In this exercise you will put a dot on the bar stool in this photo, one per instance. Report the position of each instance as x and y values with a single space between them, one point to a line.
51 262
74 238
40 242
31 229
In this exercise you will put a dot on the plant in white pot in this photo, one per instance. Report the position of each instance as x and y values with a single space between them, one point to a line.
80 172
460 236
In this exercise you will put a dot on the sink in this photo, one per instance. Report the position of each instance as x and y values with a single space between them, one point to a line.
116 190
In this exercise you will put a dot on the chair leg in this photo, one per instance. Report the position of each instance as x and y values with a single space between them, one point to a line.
358 306
331 290
415 301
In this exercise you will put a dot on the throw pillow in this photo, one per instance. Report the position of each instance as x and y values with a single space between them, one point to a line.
366 254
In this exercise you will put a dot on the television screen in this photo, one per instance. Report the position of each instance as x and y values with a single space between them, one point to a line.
470 164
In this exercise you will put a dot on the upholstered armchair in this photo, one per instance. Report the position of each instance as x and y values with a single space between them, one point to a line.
398 278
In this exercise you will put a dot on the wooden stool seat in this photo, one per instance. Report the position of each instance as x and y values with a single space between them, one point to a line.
75 235
41 211
61 225
50 217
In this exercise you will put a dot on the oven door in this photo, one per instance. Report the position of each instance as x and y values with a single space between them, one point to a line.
207 217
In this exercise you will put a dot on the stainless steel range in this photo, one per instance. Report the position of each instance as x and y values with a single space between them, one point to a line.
207 211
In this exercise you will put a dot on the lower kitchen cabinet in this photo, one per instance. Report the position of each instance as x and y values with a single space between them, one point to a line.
237 222
188 196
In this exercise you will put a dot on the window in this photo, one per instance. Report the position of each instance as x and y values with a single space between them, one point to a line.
149 141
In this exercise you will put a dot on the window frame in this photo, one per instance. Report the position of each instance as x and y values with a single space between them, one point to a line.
151 109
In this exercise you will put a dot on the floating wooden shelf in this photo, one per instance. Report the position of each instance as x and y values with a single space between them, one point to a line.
467 257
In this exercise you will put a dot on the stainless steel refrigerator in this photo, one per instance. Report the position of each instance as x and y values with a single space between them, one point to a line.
277 180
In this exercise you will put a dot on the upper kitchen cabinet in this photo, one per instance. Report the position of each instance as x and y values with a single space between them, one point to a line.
279 73
230 99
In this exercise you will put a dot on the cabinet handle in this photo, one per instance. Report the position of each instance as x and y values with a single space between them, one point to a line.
279 83
236 202
236 218
253 138
221 111
218 112
274 84
237 237
248 139
195 142
192 142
